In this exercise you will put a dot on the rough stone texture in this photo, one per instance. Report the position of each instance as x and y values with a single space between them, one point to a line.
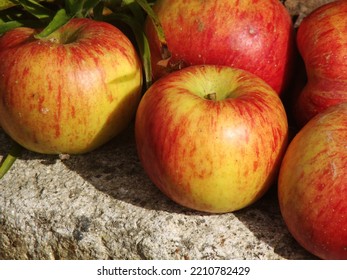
301 8
103 206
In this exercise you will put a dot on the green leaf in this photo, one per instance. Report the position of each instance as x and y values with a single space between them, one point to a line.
13 18
141 40
81 8
113 4
135 9
74 7
165 52
59 20
7 163
98 10
36 9
5 4
6 26
91 4
10 15
148 9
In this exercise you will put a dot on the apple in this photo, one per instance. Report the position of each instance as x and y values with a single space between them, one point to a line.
256 36
211 137
70 92
312 184
322 41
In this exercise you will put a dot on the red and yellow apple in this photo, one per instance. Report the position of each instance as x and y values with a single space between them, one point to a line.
70 92
322 43
256 36
312 185
211 137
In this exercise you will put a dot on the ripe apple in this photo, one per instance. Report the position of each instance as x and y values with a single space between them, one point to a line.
70 92
211 137
256 36
312 185
322 41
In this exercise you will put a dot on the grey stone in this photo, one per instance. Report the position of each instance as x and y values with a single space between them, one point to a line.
102 205
301 8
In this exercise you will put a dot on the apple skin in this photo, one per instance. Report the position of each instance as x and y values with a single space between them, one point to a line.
312 184
211 155
71 92
322 41
256 36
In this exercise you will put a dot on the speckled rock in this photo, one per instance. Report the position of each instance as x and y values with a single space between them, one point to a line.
301 8
102 205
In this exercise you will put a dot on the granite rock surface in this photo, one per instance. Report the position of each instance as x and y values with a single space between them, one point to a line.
301 8
102 206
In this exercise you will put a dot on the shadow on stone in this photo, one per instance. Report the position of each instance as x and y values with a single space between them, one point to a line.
6 143
115 169
264 220
4 148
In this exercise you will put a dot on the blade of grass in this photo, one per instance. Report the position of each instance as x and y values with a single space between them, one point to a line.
5 4
149 11
6 26
9 160
10 19
36 9
91 4
141 40
74 7
77 8
59 20
165 52
135 9
10 14
98 10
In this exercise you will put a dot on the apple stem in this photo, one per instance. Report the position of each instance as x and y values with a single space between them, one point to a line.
211 96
